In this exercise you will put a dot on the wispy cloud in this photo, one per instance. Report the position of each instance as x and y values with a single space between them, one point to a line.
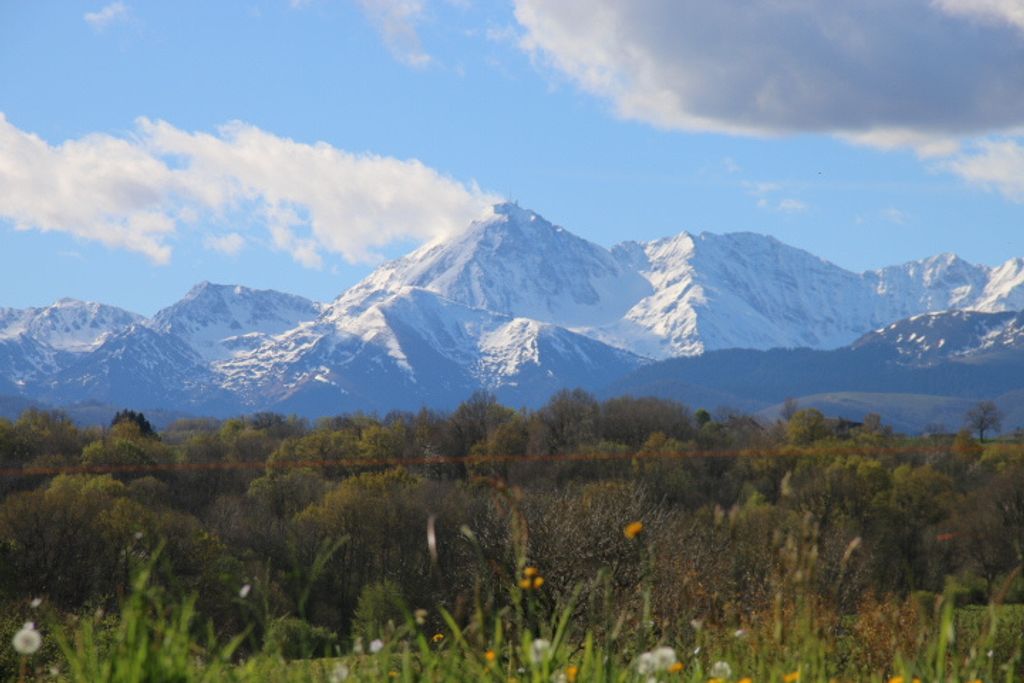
397 22
100 19
894 215
993 164
229 244
135 192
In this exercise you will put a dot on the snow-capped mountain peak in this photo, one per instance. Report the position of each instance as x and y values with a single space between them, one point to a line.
220 321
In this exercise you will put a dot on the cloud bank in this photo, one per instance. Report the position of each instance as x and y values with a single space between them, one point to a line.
888 69
138 192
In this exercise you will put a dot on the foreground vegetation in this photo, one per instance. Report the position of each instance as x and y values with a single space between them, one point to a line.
483 545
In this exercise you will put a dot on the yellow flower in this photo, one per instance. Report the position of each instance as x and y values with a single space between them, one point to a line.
571 672
792 677
675 668
538 582
524 584
393 674
896 679
438 637
490 656
530 572
748 679
717 680
633 530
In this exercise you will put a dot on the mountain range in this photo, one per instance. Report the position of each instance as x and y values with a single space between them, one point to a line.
521 307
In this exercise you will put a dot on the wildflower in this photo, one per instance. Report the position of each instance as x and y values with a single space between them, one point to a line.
746 679
438 637
530 572
490 655
35 602
27 641
392 674
896 679
421 616
675 668
791 677
633 530
338 674
645 664
740 633
137 535
696 624
539 650
664 657
538 582
525 584
376 645
243 592
721 669
571 672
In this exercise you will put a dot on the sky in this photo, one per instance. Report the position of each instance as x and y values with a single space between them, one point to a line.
294 144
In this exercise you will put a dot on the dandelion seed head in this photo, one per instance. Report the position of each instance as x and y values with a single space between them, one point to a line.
721 669
27 641
376 645
35 602
539 650
339 673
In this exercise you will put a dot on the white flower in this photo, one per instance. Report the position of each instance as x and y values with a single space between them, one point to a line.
740 633
721 669
27 641
243 592
697 624
646 664
339 673
539 649
376 645
420 616
35 602
664 657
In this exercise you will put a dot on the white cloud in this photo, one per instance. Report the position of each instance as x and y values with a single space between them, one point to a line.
135 193
229 244
999 11
894 215
994 164
397 22
102 18
790 205
791 66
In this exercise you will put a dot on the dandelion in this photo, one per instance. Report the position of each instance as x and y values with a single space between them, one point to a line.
392 674
490 655
438 637
664 657
538 582
571 672
338 674
376 645
243 592
633 530
421 616
530 572
675 668
539 650
721 669
746 679
791 677
525 584
645 664
27 641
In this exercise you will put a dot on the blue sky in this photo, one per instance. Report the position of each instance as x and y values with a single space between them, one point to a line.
146 146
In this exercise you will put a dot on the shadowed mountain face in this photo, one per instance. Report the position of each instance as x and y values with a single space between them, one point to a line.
522 307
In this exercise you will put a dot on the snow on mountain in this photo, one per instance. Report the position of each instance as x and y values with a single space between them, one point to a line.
138 366
930 338
67 325
744 290
415 348
518 264
221 321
